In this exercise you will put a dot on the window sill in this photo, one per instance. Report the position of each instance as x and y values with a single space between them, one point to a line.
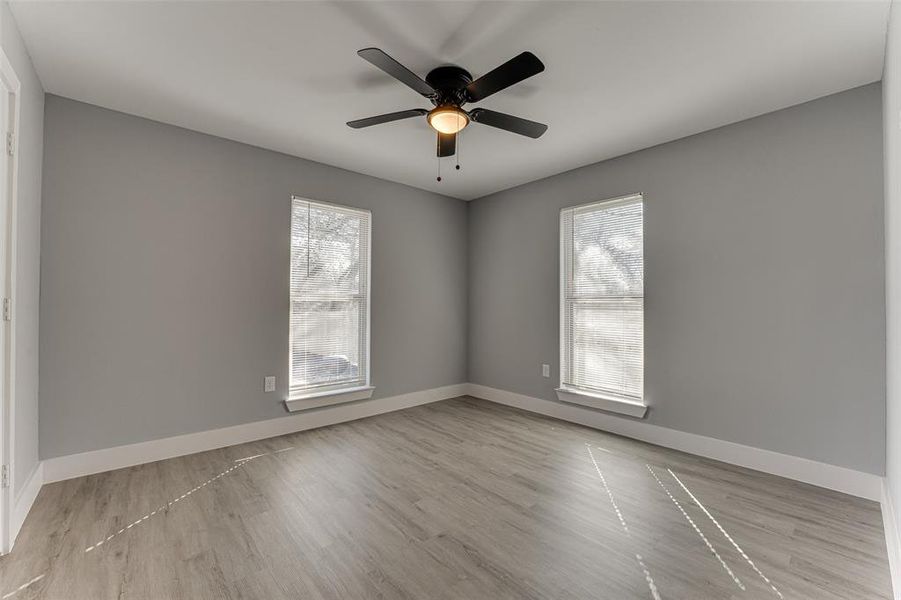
320 399
632 408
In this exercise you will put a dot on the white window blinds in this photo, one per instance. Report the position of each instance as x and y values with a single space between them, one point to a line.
329 339
602 304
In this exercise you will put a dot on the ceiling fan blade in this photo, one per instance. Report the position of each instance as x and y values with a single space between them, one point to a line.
396 70
508 122
513 71
387 118
447 144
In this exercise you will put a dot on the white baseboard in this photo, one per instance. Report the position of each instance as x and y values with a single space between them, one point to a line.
23 501
108 459
845 480
892 539
848 481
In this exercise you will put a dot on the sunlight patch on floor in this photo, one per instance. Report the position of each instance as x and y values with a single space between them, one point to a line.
698 531
727 536
647 573
240 462
22 587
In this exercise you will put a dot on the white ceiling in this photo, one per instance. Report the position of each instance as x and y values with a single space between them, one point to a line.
620 76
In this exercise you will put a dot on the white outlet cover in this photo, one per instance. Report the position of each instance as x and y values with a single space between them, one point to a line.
545 370
269 384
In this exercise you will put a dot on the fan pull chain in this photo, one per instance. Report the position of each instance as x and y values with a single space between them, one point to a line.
457 142
439 168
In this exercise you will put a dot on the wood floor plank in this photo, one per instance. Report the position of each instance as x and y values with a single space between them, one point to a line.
461 499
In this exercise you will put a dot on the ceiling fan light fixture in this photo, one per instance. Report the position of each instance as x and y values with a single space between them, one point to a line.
448 119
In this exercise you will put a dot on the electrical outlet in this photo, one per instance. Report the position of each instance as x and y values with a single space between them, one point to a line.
545 370
269 383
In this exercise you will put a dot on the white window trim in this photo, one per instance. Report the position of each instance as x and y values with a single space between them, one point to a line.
616 404
353 391
320 399
591 398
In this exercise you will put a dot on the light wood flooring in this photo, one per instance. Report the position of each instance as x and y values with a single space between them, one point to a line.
461 499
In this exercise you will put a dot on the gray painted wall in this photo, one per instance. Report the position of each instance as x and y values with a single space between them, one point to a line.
892 122
765 308
28 250
164 279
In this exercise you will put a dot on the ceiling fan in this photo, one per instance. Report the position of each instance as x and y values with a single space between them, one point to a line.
449 88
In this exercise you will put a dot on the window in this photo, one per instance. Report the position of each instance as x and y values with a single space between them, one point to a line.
329 340
602 303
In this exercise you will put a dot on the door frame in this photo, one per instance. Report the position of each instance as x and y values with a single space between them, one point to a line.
11 86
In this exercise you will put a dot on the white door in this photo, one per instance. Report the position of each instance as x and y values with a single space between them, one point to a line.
6 251
9 121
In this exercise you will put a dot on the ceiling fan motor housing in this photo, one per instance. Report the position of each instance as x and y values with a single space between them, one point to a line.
450 83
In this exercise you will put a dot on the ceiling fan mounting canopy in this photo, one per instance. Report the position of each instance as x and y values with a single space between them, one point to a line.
450 83
448 88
